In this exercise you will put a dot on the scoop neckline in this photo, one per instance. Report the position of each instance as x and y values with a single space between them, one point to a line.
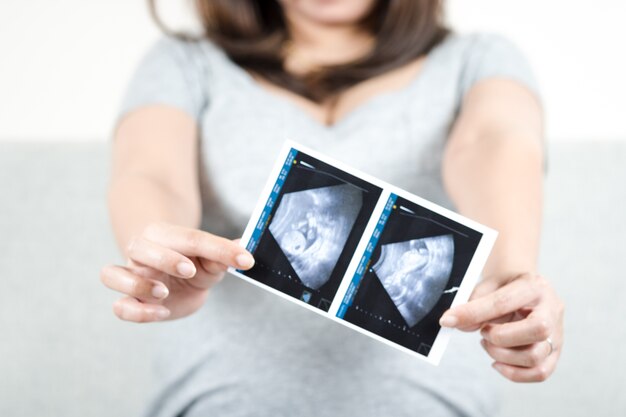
350 117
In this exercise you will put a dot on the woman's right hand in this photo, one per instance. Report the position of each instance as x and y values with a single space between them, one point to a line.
169 272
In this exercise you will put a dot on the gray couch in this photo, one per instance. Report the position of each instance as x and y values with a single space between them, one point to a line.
62 352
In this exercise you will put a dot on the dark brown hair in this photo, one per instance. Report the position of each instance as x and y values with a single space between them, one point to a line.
253 34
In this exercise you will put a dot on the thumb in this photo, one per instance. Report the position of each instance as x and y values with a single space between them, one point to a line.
483 288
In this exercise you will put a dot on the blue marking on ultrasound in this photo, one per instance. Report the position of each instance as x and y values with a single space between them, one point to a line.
261 224
371 245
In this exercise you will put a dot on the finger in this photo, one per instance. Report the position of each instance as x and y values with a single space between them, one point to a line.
504 300
202 244
146 271
212 268
471 328
526 356
160 258
484 287
209 274
537 373
130 309
503 319
534 328
122 280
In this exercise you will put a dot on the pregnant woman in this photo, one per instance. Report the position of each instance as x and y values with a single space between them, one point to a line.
383 86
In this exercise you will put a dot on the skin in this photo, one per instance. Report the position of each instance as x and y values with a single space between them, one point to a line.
492 170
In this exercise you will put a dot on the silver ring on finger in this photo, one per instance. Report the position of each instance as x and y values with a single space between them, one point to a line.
551 344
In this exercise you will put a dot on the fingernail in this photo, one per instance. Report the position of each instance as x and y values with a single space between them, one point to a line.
117 307
448 320
483 343
496 366
245 260
162 313
186 269
160 291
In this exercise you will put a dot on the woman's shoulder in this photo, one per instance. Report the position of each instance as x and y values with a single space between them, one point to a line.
472 57
174 72
184 49
462 45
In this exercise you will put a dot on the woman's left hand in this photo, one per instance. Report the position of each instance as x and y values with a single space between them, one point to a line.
521 322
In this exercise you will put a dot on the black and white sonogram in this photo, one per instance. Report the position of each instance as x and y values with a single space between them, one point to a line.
309 228
362 252
415 273
312 227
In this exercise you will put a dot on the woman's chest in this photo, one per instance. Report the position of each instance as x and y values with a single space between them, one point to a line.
394 137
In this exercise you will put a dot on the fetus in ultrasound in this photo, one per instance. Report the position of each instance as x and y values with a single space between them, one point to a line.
415 273
312 227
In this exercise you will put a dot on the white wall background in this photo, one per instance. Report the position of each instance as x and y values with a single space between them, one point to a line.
64 63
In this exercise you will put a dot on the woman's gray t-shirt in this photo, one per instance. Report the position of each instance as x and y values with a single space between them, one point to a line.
250 353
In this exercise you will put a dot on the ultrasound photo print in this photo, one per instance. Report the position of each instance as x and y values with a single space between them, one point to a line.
316 219
413 274
312 226
362 252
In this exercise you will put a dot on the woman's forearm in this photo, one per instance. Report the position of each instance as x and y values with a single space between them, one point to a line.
155 207
135 201
154 175
497 181
495 176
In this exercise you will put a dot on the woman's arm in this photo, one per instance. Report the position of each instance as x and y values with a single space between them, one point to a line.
154 172
155 208
493 169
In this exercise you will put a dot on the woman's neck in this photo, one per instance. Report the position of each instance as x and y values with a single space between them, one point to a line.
313 45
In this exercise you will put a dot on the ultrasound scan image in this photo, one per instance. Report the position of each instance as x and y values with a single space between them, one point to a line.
415 273
311 227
